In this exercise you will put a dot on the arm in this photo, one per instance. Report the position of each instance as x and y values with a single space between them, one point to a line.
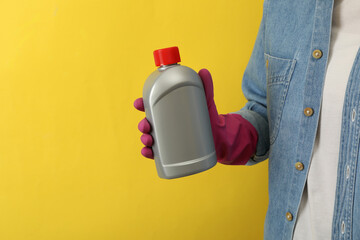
254 89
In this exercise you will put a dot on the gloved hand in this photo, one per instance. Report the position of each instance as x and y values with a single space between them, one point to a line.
235 138
144 127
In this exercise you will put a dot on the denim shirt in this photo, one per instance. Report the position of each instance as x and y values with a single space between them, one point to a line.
283 83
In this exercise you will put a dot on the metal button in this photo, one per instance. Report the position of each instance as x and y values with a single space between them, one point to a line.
308 112
317 54
289 216
299 166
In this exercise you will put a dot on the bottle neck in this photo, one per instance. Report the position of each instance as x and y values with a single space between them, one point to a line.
164 67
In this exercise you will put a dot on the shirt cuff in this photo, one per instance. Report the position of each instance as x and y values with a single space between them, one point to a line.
262 128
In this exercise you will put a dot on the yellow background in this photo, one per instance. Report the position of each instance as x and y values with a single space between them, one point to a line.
70 163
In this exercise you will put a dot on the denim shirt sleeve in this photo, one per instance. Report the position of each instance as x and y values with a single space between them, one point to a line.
254 89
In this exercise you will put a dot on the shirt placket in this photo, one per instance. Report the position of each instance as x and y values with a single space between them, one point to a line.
314 81
348 157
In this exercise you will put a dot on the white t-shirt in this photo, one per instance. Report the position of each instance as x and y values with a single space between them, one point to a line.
315 215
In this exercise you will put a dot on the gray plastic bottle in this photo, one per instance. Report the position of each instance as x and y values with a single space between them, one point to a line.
175 105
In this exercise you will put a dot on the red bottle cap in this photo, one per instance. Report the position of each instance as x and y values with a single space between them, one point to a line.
166 56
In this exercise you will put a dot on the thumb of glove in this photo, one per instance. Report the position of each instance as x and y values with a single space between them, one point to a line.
209 92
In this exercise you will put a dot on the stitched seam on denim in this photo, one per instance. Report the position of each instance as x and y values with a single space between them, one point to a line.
302 130
354 77
342 155
345 128
277 83
278 116
265 16
279 58
275 130
285 79
278 77
351 182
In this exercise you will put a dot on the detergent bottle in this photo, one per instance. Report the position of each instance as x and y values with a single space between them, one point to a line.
176 108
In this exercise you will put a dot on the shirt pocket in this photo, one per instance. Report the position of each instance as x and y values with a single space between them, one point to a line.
278 75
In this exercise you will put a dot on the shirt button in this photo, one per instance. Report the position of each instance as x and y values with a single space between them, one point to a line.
289 216
342 227
299 166
347 172
317 54
308 112
353 115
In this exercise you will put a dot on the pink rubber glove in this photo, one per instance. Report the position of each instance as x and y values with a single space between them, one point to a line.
234 137
144 127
